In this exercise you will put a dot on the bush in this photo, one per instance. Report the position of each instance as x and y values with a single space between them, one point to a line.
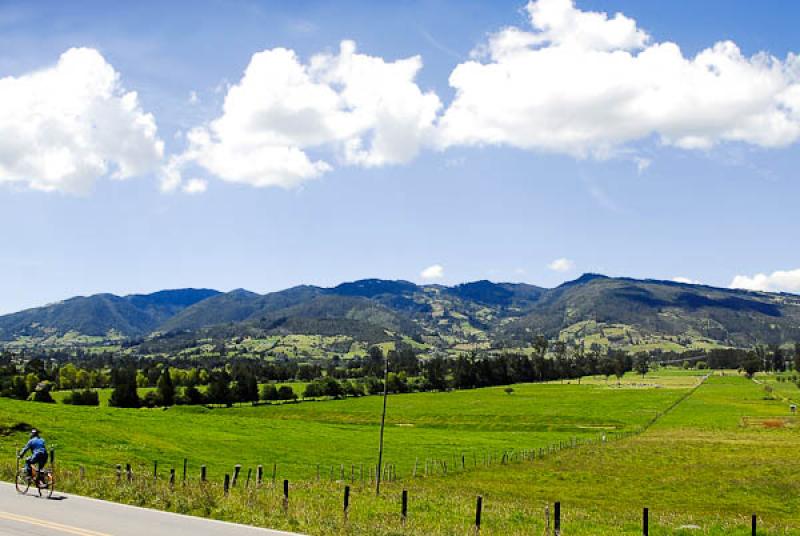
193 396
352 388
313 390
269 392
151 400
286 393
42 394
87 397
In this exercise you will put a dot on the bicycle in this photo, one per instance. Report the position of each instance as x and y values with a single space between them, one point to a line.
43 480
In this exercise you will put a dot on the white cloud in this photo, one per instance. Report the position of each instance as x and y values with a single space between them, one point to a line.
686 280
432 272
195 186
586 84
367 111
779 281
65 126
193 98
561 265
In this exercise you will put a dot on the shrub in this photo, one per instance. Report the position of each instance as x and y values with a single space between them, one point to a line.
87 397
150 400
286 393
193 395
42 393
269 392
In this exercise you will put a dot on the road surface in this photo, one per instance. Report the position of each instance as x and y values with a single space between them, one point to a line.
65 514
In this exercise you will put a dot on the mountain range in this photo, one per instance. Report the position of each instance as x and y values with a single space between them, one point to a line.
594 309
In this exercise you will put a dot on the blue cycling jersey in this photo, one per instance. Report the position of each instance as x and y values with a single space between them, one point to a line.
36 445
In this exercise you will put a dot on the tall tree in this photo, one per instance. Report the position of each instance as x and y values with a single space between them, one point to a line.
797 357
124 394
219 388
166 389
642 364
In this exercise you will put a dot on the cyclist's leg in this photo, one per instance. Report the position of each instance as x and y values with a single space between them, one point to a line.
28 462
40 460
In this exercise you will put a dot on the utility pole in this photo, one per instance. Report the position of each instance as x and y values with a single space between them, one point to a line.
383 422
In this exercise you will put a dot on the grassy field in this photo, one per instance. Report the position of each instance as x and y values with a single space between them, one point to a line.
727 450
300 436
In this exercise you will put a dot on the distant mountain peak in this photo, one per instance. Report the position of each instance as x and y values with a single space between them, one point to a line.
585 278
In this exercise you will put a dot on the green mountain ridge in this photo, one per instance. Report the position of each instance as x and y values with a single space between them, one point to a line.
593 308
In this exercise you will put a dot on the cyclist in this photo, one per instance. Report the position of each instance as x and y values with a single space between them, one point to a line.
36 445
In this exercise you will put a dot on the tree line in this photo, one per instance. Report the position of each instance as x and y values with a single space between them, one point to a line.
237 380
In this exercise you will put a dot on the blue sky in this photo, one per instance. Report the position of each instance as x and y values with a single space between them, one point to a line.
674 198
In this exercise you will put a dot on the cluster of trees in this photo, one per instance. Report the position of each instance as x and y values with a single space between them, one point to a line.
223 387
34 380
769 359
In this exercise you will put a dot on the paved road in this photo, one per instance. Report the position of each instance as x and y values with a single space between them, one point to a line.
27 515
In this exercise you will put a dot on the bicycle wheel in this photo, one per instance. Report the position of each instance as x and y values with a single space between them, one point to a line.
45 484
22 483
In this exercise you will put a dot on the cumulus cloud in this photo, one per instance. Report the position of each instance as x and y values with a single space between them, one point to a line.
779 281
561 265
361 109
65 126
432 272
686 280
585 84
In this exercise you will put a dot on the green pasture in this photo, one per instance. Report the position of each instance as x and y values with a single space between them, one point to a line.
420 426
726 450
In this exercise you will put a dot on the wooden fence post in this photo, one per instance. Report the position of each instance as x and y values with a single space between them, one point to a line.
259 475
645 522
478 508
202 473
172 477
249 473
547 520
236 469
185 467
119 473
754 524
404 507
129 472
346 502
155 469
285 495
226 486
557 519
